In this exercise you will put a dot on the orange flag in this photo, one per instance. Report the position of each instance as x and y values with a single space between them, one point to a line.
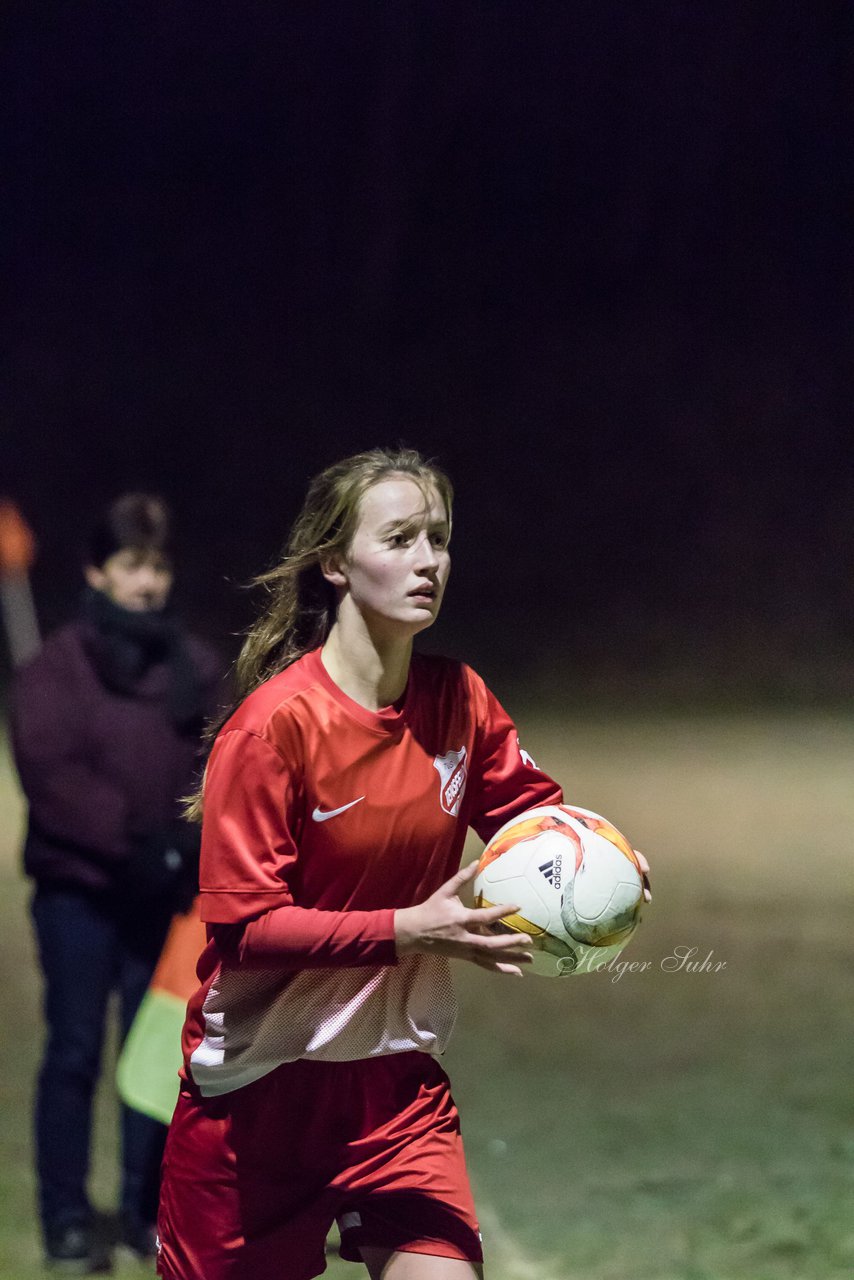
17 544
17 553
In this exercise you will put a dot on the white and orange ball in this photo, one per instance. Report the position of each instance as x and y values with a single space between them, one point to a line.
577 883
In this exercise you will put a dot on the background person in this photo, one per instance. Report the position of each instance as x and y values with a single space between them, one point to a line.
106 726
336 804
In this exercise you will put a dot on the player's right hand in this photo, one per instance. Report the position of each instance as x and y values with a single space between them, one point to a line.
443 925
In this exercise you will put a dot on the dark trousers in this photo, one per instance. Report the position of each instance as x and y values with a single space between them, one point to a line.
89 945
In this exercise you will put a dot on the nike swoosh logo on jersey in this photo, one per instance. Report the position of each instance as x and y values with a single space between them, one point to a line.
323 815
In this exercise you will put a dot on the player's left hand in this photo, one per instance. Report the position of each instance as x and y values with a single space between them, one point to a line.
644 866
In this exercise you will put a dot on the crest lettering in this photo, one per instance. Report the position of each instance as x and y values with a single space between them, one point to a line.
453 773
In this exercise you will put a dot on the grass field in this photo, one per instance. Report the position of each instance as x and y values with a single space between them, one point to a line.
667 1124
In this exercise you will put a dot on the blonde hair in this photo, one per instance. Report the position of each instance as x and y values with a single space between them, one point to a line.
301 605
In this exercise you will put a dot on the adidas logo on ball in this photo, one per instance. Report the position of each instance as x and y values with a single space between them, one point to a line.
552 870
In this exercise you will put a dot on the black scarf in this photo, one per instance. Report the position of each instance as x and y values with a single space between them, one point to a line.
126 643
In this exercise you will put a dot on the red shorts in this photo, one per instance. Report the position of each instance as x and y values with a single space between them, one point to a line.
253 1180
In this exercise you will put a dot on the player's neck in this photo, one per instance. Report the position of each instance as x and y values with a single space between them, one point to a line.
372 671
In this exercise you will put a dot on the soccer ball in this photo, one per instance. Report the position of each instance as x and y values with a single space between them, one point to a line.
577 882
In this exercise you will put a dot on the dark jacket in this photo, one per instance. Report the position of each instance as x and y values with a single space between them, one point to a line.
104 762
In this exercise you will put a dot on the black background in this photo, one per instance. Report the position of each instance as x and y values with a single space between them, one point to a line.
590 255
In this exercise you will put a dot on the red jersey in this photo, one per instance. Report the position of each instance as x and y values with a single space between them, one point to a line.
321 818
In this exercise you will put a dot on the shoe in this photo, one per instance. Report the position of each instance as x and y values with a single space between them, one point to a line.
74 1251
139 1237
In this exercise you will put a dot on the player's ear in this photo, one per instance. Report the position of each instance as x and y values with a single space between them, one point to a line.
95 577
332 568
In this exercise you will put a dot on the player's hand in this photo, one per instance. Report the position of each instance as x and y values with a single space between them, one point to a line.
444 926
644 866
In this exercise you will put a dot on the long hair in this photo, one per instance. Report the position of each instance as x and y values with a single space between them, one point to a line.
301 605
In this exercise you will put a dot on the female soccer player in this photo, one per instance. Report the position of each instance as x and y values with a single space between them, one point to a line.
336 804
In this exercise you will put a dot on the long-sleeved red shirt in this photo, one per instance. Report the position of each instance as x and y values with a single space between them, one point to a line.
322 818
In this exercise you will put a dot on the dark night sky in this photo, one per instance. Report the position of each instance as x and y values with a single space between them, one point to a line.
590 254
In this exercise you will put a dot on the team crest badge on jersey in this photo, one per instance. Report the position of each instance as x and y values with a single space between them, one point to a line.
452 779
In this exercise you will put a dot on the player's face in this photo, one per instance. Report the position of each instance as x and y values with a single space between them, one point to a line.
134 580
398 562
